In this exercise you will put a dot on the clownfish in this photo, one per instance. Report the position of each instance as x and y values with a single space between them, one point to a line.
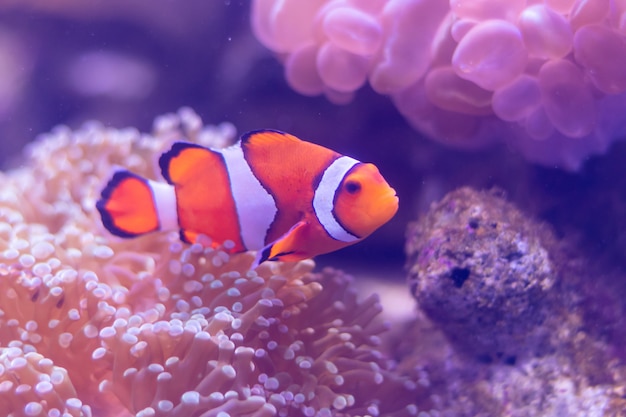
271 192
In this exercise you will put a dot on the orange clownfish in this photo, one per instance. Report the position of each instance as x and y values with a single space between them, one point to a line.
271 192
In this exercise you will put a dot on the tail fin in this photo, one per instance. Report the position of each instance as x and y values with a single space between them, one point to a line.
128 206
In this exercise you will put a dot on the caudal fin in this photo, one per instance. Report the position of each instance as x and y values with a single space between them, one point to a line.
127 205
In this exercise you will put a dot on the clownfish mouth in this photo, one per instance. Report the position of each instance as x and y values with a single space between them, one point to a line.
391 200
388 205
391 195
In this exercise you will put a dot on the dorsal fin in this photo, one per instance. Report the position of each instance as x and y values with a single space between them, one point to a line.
267 137
180 159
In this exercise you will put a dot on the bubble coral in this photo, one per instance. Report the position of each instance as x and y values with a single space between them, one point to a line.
95 325
548 77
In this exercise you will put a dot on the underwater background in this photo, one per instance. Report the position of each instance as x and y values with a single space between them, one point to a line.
497 289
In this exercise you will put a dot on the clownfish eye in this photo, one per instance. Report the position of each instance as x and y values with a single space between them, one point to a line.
352 187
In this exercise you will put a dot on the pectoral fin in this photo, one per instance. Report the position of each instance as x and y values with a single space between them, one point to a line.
286 248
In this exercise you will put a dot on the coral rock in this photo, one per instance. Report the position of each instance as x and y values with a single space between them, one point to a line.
483 272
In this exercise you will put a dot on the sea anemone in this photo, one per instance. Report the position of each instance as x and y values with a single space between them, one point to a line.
91 324
549 78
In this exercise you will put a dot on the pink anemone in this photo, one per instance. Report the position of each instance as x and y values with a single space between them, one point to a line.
93 325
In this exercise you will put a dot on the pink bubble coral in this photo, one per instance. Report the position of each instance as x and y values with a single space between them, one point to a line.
546 77
95 325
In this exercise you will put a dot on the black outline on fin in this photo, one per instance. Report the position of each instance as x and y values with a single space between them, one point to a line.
105 196
182 237
245 138
265 254
166 158
278 255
